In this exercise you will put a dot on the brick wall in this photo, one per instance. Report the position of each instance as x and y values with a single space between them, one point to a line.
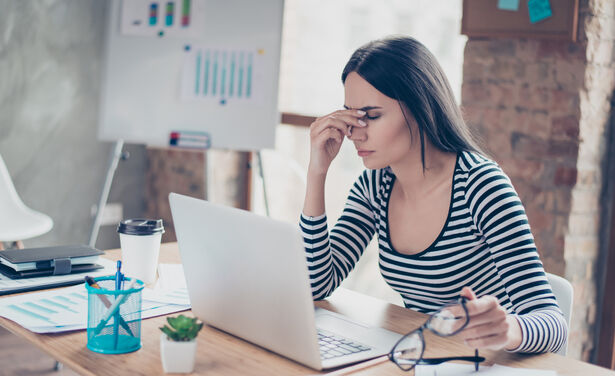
172 170
542 108
184 171
582 242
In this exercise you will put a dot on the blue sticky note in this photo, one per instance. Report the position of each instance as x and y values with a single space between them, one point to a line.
508 4
539 10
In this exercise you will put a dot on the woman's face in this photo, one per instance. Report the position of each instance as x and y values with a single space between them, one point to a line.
385 141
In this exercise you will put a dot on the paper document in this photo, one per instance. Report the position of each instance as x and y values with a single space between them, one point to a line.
171 276
224 76
458 369
171 286
65 309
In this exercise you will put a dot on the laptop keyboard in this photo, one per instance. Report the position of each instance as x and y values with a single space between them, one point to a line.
333 345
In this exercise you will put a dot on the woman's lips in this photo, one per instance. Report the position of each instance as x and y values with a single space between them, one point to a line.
364 153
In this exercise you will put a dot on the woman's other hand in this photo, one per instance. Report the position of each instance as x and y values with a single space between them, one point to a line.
490 327
327 134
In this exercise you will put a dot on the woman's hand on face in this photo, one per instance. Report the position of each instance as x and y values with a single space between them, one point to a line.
490 327
327 134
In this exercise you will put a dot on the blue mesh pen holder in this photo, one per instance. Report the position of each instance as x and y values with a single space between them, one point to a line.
114 316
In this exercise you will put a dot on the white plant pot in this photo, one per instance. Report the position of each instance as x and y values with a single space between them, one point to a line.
177 357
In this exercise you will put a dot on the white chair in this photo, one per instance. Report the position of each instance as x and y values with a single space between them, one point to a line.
562 289
18 222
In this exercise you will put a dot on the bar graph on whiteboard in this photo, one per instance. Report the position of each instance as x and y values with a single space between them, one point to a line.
222 75
161 19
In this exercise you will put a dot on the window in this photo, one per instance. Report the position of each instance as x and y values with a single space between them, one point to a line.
318 38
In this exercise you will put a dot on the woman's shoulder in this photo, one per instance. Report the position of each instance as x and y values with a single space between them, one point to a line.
470 162
481 175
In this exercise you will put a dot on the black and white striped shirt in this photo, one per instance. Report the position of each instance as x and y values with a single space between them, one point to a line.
485 244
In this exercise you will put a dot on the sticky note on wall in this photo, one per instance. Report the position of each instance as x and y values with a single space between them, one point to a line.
508 5
539 10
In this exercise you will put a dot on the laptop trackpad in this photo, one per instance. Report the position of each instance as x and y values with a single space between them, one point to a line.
340 325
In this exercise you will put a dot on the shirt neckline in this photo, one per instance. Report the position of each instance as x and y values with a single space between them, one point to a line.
448 215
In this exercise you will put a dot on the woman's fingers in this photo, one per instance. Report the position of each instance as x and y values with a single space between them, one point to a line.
485 330
327 123
488 326
495 315
494 342
468 293
329 134
342 120
353 118
477 306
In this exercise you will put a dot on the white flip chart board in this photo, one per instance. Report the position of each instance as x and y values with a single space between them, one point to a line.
192 66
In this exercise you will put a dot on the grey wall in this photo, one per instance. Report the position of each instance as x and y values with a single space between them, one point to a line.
50 75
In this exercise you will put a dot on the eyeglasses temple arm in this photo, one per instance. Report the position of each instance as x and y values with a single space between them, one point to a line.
474 359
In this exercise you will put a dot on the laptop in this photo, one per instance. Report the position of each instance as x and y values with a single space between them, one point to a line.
247 275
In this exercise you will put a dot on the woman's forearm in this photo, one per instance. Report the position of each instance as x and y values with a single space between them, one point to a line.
515 336
314 204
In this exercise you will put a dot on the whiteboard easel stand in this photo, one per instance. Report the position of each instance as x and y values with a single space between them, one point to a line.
116 155
261 172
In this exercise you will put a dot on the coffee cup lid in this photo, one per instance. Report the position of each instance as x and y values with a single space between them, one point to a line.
140 226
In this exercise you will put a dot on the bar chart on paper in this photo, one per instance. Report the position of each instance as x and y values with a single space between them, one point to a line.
51 309
221 75
66 309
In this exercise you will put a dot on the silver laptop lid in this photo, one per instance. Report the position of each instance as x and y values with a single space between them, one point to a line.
251 283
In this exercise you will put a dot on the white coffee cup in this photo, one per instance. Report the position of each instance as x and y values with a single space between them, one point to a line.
140 243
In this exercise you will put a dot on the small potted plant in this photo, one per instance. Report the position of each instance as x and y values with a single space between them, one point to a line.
178 344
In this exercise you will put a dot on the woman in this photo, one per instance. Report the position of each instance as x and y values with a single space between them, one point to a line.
448 220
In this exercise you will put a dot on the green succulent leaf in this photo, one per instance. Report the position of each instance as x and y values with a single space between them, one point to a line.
182 328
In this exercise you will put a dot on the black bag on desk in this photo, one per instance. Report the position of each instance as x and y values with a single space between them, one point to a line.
40 262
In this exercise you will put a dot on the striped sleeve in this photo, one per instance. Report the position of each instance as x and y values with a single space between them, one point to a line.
500 217
331 257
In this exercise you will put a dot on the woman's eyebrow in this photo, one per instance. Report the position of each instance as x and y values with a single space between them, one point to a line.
366 108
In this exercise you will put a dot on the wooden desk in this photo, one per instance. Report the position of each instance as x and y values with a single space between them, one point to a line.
222 354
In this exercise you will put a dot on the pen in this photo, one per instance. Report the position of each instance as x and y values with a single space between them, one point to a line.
114 308
118 286
118 275
476 363
90 281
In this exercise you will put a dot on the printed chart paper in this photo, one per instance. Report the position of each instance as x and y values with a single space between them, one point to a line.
222 76
66 309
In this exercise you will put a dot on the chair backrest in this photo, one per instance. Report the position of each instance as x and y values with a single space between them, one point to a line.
18 222
562 289
9 199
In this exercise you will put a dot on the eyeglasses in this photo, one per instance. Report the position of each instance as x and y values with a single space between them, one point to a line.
449 320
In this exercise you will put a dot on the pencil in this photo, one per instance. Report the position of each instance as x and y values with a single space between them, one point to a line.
90 281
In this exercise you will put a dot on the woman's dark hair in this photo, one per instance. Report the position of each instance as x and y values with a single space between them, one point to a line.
401 68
